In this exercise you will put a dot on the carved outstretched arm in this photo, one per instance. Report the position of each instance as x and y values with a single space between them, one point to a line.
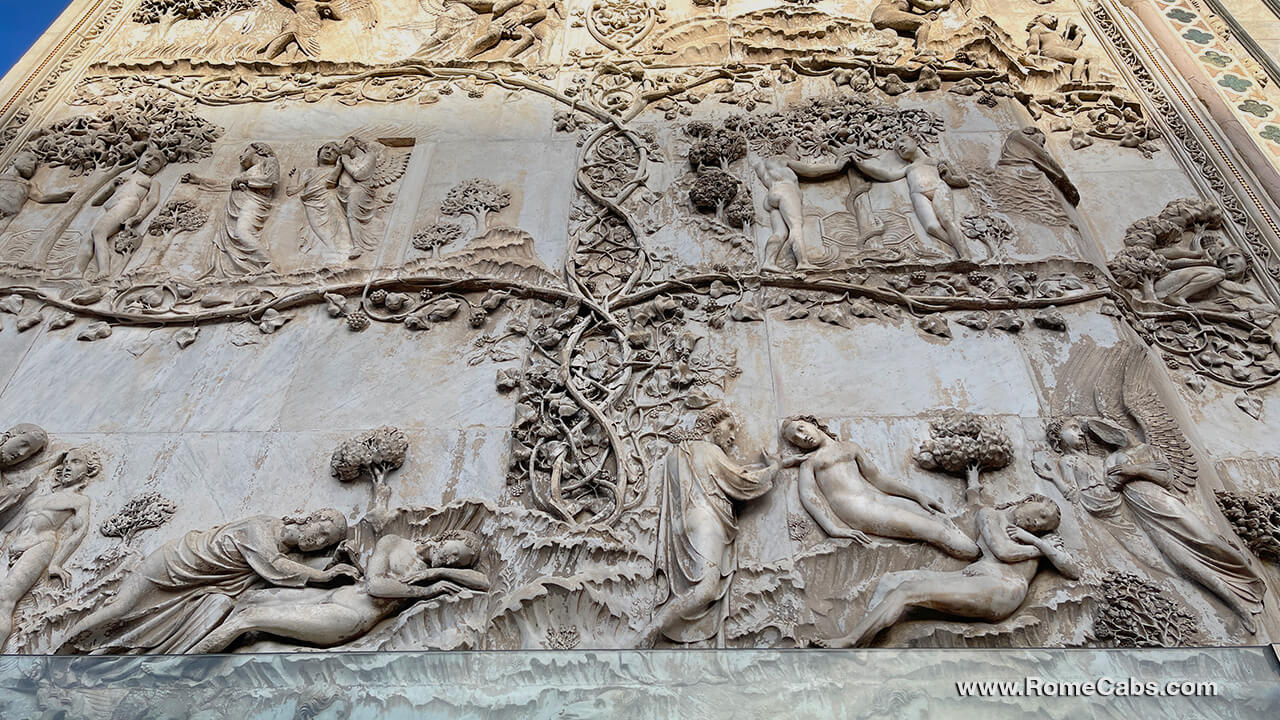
78 525
1058 557
287 566
879 172
204 183
816 171
36 194
892 486
1156 472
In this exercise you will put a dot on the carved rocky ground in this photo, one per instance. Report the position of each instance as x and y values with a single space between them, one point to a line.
383 325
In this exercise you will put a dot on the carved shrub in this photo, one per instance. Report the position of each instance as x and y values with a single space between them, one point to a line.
1256 519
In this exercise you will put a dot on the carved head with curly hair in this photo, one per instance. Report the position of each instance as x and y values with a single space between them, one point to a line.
76 466
453 549
1035 513
315 531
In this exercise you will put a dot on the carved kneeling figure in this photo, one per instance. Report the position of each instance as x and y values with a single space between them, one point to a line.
399 570
1012 538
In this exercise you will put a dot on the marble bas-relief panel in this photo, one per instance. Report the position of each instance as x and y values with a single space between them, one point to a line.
556 325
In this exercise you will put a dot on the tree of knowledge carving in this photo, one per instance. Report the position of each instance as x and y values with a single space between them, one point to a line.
538 324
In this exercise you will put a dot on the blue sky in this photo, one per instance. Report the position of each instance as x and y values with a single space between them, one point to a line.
22 22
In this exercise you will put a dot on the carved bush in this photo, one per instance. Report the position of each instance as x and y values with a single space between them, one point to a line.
1134 613
150 12
1256 519
1138 266
964 444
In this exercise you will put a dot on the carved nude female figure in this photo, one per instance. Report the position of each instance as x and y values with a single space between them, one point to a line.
929 184
126 202
237 243
785 204
848 496
45 534
1012 538
398 570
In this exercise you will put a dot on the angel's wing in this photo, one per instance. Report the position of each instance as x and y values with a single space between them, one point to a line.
434 8
391 167
306 28
1157 424
364 11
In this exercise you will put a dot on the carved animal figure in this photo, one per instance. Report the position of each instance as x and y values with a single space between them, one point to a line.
848 496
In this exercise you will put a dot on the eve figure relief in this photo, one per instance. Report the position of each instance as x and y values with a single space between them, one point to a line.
184 590
697 529
929 183
346 191
18 186
398 573
48 528
849 497
237 244
1013 537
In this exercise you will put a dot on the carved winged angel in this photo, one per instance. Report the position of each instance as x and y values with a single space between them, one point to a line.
344 193
302 25
1145 484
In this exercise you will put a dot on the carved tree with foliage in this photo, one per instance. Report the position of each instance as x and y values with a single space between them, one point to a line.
965 444
373 454
477 198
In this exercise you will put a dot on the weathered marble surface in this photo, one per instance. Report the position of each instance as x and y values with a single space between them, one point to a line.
543 252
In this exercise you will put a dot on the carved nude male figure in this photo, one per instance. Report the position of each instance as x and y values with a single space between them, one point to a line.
1046 40
45 534
184 590
399 570
1013 541
785 204
126 202
848 496
697 529
897 15
17 187
17 445
929 184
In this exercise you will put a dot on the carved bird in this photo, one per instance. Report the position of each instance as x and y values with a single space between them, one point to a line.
306 18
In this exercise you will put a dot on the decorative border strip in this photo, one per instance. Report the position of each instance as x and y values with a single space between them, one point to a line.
1234 82
1256 243
14 125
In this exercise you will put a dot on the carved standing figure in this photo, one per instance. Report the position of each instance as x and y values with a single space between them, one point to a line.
399 571
697 528
784 202
47 531
1045 39
1013 538
237 243
848 496
184 590
366 170
929 184
1140 478
126 202
316 189
17 187
18 444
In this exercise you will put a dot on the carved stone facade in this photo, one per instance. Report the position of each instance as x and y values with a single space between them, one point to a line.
573 324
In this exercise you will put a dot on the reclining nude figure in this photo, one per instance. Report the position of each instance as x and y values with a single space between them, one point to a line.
849 497
1013 541
399 570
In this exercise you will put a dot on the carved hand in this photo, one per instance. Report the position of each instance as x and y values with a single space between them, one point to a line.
342 570
929 503
857 536
1019 535
62 576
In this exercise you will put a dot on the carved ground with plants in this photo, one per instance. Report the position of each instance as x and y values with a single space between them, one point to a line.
817 172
